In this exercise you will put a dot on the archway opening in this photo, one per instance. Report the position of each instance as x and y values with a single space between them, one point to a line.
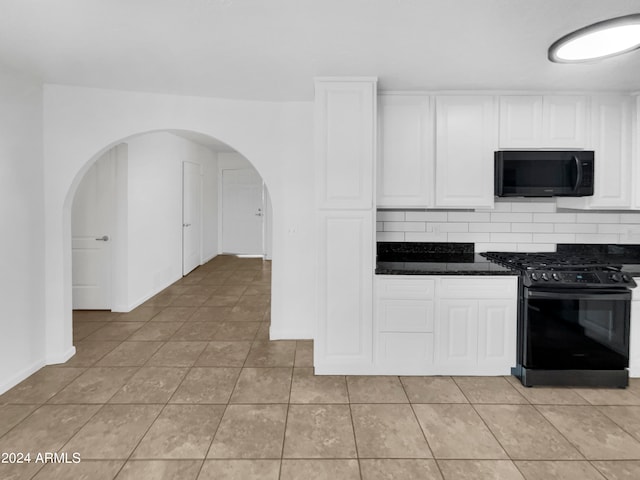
150 219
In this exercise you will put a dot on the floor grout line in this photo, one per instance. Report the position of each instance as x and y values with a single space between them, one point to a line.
193 285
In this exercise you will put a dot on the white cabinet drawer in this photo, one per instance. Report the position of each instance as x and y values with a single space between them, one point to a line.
405 315
403 287
480 287
406 347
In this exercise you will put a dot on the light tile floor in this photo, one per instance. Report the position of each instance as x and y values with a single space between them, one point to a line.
188 386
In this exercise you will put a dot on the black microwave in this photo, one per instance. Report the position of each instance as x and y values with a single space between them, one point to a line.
543 173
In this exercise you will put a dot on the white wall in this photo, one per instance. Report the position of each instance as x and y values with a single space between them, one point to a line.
149 217
155 210
210 207
527 225
22 256
232 160
277 137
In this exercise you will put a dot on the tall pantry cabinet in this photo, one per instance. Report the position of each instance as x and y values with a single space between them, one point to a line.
345 136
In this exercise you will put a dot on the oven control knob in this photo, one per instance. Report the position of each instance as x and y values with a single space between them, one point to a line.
555 276
534 276
614 277
545 277
626 278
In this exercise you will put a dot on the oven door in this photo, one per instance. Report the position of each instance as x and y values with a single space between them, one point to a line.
576 329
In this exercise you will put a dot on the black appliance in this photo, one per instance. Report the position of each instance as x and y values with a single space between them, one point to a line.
543 173
573 319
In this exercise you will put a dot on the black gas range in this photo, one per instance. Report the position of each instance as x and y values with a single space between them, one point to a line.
573 319
561 270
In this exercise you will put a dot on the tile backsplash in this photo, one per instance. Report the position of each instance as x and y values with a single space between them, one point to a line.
521 225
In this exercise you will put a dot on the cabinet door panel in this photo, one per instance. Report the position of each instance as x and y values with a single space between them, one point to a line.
611 137
405 151
478 287
405 347
564 121
520 121
346 288
457 333
345 143
497 325
405 315
465 142
634 341
396 287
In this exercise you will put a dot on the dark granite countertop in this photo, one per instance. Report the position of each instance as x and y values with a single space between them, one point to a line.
416 258
399 258
628 256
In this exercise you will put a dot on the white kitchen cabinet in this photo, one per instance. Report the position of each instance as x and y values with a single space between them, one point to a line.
564 121
476 324
635 152
405 151
465 142
345 126
520 121
611 142
404 324
344 334
457 334
497 333
445 325
543 121
634 337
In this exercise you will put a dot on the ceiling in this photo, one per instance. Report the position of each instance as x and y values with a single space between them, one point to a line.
271 50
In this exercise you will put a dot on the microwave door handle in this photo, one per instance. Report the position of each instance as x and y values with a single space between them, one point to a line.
579 174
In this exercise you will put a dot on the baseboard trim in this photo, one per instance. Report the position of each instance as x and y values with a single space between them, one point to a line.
22 375
144 298
208 259
287 334
56 359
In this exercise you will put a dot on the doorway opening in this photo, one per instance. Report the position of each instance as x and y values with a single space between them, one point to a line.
150 210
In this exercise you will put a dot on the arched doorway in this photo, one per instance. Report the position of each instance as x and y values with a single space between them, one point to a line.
82 123
147 228
152 214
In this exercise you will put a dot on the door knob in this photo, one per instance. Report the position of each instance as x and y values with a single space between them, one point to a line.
104 238
186 224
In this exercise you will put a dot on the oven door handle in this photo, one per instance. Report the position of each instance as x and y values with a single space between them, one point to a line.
595 295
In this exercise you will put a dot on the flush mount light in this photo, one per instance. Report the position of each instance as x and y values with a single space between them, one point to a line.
600 40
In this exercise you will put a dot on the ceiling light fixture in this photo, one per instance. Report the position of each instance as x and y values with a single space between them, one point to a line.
601 40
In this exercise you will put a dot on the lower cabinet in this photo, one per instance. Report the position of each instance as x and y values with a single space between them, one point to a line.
457 333
343 339
445 325
634 337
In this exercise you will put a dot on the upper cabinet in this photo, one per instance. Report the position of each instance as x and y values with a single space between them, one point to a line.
442 160
437 151
537 121
611 142
345 143
405 151
635 152
465 142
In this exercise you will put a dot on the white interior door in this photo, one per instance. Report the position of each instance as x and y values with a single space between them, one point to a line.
91 223
242 212
191 216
